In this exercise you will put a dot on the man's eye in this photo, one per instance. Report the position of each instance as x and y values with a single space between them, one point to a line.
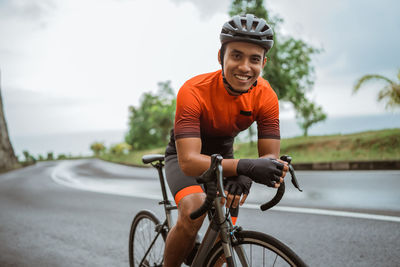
255 59
236 56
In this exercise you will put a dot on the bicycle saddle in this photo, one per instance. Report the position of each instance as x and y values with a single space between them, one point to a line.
152 157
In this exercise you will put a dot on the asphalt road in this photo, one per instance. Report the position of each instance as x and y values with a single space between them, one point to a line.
44 223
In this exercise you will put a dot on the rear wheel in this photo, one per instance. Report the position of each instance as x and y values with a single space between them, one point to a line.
259 249
146 240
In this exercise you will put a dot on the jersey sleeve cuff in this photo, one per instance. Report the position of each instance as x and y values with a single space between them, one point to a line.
187 135
269 137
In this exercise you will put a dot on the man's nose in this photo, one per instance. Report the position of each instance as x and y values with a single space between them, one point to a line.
244 65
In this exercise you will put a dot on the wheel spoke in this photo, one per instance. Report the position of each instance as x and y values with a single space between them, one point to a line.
276 257
251 255
146 242
260 250
263 257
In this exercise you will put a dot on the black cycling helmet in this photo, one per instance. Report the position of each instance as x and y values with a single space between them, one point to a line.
247 28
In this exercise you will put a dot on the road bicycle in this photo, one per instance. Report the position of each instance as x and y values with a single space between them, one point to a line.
223 243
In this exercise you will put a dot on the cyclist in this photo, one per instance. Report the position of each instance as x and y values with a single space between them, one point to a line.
211 110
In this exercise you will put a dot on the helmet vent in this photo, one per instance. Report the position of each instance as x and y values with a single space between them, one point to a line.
243 24
247 37
254 26
265 28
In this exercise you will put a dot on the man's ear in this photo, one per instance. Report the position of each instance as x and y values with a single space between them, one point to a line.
219 57
264 61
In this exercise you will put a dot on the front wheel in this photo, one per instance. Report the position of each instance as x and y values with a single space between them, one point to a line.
256 249
146 240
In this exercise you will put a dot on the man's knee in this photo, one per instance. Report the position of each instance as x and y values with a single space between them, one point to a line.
187 205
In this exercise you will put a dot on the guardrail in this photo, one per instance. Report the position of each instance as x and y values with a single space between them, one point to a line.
350 165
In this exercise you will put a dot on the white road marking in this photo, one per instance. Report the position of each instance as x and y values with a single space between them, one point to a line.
61 175
329 212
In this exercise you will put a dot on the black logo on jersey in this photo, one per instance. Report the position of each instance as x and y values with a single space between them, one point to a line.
245 113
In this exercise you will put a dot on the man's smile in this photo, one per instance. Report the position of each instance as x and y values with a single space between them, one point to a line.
242 77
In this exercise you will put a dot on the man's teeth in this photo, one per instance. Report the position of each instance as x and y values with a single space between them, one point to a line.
240 77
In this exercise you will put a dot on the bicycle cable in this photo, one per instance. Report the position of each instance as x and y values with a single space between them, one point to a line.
227 214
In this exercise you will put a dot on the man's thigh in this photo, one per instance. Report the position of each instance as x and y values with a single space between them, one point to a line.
179 183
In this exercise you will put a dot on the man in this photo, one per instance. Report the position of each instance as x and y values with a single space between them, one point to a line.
211 110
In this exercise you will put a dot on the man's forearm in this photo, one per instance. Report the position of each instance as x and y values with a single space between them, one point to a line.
195 165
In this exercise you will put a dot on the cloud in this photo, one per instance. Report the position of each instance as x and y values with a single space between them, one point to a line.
32 113
26 9
208 8
94 58
357 36
16 98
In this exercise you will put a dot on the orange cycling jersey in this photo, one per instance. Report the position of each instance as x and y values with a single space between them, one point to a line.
206 110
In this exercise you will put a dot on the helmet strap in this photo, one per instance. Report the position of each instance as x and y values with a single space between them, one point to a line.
234 90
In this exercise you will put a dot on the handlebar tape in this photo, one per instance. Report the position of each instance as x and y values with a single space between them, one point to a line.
278 196
208 178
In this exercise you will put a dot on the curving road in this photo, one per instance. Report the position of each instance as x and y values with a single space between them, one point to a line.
78 213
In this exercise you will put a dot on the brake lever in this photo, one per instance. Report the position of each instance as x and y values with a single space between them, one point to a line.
288 159
220 178
294 179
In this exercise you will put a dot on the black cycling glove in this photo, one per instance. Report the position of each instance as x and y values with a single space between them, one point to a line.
238 185
263 170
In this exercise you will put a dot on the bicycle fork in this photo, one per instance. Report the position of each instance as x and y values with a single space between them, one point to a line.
228 239
219 226
224 232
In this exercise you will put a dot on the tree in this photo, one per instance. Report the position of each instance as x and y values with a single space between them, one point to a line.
150 123
288 68
8 160
50 156
308 115
390 92
97 148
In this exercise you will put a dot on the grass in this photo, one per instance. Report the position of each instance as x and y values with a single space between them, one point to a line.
133 158
364 146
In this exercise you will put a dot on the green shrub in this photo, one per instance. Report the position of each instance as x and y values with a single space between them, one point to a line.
61 156
120 149
50 156
28 157
98 148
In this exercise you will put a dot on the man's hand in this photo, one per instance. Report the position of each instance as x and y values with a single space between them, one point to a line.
234 188
265 171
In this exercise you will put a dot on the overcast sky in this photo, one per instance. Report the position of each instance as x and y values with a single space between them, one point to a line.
76 65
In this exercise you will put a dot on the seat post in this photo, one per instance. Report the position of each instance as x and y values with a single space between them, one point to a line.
167 204
159 167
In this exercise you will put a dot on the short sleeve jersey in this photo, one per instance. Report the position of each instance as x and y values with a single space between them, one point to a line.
206 110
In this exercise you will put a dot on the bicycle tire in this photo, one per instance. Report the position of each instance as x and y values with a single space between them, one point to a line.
261 250
142 233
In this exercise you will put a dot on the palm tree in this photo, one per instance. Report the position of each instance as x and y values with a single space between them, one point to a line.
391 91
